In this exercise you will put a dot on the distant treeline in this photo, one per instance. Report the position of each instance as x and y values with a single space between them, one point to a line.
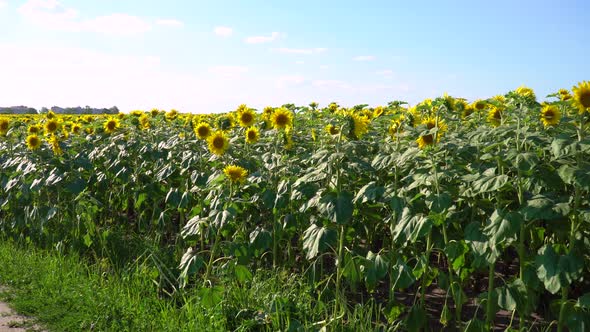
58 110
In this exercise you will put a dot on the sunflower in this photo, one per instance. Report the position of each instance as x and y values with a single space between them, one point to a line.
525 92
34 129
582 96
430 139
202 130
246 117
50 115
495 116
467 111
218 143
564 95
154 112
479 105
136 113
111 124
235 173
395 127
4 125
173 114
54 142
51 126
378 111
76 128
144 121
252 135
33 142
332 129
550 115
281 118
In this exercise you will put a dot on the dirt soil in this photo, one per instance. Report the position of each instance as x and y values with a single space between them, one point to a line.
12 322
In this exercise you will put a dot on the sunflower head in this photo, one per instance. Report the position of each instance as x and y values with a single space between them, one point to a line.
378 111
245 117
564 95
33 142
395 127
111 124
582 96
359 125
154 112
332 129
218 143
51 126
144 121
281 118
495 116
479 105
202 130
171 115
34 129
53 141
525 92
550 115
430 138
4 125
252 135
76 128
235 173
50 115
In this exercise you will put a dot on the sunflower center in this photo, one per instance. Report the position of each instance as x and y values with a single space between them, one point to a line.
333 130
549 114
33 141
282 120
51 126
111 125
218 142
428 139
246 118
252 135
585 99
480 106
497 115
3 126
203 131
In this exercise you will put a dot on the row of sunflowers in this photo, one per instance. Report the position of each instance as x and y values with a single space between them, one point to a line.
367 203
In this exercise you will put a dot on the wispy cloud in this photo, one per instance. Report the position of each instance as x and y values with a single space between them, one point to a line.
364 58
169 22
2 3
386 73
262 39
223 31
287 50
52 14
299 62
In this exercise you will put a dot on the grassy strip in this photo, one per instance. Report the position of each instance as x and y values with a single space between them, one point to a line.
66 293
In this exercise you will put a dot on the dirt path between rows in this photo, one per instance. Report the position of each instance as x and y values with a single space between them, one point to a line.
12 322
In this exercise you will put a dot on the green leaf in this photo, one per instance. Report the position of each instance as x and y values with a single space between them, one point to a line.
416 319
190 264
455 251
513 296
242 273
210 297
410 227
317 239
371 192
439 203
503 227
402 275
557 271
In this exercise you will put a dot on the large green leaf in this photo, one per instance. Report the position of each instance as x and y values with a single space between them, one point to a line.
557 271
317 239
503 227
410 227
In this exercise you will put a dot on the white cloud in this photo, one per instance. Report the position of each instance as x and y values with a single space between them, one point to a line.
223 31
364 58
324 67
2 3
228 71
262 39
300 50
169 22
386 73
52 14
299 62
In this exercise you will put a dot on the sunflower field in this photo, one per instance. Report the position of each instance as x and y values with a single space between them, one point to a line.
447 214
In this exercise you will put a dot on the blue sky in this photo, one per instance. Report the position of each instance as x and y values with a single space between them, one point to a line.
210 56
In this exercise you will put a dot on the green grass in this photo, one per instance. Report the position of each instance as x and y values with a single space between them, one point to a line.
66 293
